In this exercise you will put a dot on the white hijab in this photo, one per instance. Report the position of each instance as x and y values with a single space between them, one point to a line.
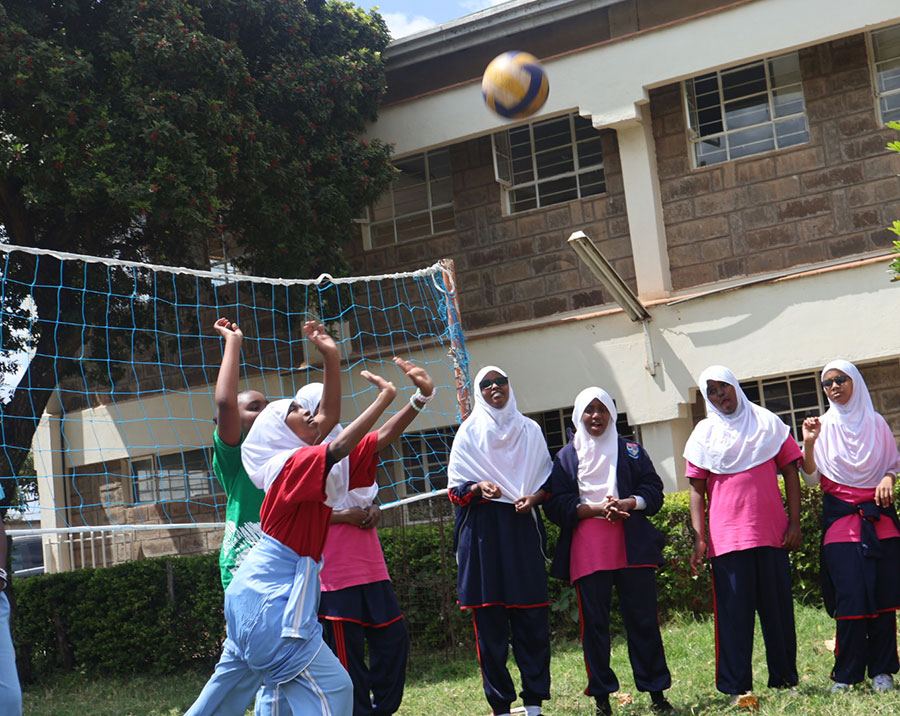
271 443
855 447
598 457
500 446
725 444
309 397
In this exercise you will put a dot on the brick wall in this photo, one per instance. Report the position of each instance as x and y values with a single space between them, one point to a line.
518 267
828 199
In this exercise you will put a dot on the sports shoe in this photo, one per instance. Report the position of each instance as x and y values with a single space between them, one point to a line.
659 703
603 706
883 682
839 687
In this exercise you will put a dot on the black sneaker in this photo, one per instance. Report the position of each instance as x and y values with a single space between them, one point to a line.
603 707
659 703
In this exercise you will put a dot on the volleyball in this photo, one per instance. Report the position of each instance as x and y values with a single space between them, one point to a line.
515 85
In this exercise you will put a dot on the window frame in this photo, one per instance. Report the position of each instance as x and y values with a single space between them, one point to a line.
689 98
504 174
368 222
156 472
874 75
794 412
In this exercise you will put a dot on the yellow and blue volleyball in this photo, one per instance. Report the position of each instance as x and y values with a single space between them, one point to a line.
515 85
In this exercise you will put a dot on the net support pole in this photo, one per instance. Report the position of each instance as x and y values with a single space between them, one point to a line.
457 347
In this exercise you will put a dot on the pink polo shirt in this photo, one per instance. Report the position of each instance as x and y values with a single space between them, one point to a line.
352 556
745 508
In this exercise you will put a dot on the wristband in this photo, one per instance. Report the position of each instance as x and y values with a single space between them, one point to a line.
4 575
416 406
424 399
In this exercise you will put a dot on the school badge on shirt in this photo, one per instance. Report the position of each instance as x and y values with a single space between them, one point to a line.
633 449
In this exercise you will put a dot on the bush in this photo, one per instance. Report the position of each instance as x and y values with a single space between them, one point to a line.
155 615
160 615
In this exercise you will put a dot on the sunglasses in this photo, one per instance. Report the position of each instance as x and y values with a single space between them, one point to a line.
499 381
840 380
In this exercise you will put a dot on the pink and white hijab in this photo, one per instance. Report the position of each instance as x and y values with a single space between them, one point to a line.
855 447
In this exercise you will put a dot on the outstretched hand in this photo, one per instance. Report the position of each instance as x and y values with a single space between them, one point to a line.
417 374
379 382
226 329
318 336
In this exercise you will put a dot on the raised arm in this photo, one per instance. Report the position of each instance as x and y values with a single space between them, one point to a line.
228 421
393 428
350 436
811 429
329 413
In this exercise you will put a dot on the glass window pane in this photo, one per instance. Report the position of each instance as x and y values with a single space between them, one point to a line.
747 112
888 75
523 198
785 70
442 220
439 164
751 390
589 153
410 199
554 162
554 192
441 192
743 81
592 183
792 131
890 108
751 141
886 43
412 227
788 100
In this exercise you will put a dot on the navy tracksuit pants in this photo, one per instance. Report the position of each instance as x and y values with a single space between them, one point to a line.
378 686
636 588
747 582
530 630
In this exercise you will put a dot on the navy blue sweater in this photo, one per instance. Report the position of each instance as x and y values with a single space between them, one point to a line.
635 476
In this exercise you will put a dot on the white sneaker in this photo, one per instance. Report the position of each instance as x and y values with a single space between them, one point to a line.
839 687
883 682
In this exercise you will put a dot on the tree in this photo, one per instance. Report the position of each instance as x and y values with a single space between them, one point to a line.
142 129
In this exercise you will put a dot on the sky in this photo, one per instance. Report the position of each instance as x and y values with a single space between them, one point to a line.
407 17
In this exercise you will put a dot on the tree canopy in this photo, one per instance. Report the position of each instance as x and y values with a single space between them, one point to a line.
144 129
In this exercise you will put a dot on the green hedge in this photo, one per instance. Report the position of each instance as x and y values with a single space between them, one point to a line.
155 615
159 615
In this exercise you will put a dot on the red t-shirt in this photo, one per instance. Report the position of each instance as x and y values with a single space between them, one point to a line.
294 510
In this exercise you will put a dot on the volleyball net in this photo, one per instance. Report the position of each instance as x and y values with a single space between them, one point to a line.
123 422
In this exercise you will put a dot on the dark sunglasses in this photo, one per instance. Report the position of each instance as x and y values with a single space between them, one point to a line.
840 380
499 381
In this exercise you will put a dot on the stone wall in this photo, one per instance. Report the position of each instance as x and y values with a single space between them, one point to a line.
828 199
517 267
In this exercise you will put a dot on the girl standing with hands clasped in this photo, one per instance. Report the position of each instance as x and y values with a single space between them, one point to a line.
498 462
852 454
600 492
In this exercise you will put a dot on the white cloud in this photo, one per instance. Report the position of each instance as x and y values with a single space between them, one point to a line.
400 24
476 5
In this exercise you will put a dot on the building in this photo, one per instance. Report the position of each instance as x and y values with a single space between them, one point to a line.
728 158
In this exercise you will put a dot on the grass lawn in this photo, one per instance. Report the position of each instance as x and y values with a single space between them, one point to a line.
438 686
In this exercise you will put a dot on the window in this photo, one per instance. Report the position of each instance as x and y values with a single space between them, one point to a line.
425 459
886 68
745 110
174 477
791 398
555 423
549 162
419 202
